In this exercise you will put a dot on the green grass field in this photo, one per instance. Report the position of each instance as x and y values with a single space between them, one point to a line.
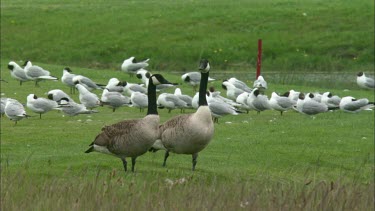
254 162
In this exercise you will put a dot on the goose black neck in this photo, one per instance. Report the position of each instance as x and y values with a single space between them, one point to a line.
202 89
151 93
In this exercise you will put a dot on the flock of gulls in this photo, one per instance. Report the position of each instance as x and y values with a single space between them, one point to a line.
183 134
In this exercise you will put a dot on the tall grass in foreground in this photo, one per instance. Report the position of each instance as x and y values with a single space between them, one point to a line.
113 191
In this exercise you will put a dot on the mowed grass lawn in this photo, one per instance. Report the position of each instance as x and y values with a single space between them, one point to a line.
252 158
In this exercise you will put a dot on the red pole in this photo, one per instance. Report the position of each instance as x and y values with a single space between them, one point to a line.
259 61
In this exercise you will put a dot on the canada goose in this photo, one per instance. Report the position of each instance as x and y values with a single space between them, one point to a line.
131 138
87 98
67 79
87 82
365 82
14 110
37 73
17 72
131 65
40 105
190 133
280 103
351 105
144 75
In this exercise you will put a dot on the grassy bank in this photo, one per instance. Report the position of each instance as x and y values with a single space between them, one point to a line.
297 36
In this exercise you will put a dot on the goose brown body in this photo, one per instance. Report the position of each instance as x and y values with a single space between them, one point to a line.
190 133
129 138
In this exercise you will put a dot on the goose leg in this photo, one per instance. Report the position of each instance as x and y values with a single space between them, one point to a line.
165 158
125 164
133 163
195 156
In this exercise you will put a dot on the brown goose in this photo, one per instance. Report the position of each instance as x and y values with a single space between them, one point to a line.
132 138
190 133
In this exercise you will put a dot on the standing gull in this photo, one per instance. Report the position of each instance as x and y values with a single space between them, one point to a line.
37 73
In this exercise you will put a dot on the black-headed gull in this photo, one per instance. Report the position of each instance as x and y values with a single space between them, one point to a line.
280 103
71 108
114 99
219 108
307 105
40 105
139 100
87 82
260 83
170 101
115 85
17 72
58 94
193 79
129 88
239 84
67 79
351 105
37 73
332 101
365 82
131 65
258 101
14 110
232 91
87 98
188 100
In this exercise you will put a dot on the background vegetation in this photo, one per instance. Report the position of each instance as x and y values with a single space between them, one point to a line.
265 161
314 35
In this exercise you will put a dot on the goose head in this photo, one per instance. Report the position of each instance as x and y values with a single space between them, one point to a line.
204 66
157 79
